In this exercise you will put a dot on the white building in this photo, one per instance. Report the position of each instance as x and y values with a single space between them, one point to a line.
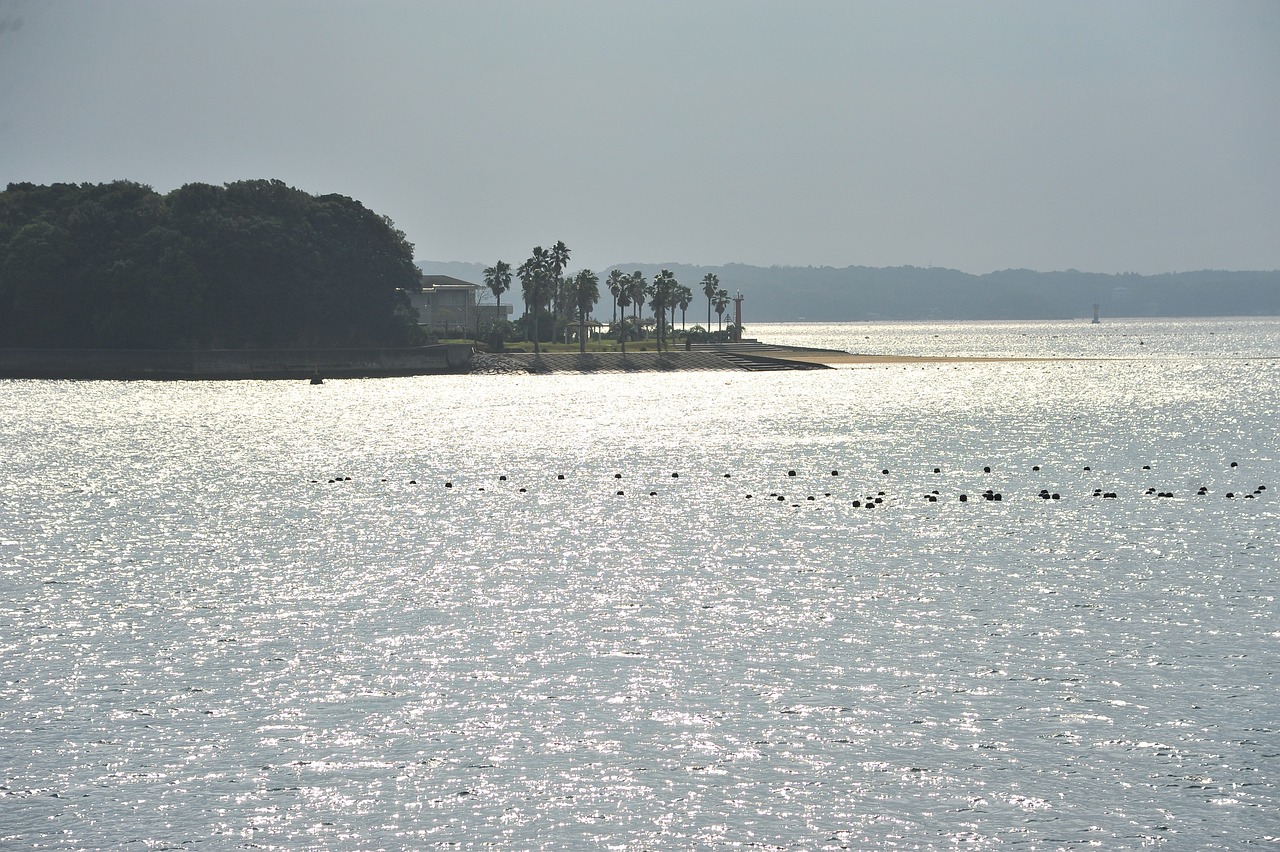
450 304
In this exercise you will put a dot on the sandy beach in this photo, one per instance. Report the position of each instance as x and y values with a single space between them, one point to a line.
833 358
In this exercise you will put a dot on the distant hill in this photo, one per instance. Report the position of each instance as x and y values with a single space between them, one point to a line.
826 294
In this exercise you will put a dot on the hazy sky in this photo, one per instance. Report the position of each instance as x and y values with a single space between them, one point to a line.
1108 136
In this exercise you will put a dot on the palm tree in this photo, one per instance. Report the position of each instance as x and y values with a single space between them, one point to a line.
616 281
722 302
559 259
684 299
535 278
526 274
636 287
710 284
624 299
498 279
661 295
565 303
586 292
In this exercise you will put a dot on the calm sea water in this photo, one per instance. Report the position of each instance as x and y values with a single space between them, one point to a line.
256 615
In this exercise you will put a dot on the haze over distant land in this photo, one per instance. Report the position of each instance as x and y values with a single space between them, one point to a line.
1136 136
824 294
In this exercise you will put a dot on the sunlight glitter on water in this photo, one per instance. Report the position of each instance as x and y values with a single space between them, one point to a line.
205 635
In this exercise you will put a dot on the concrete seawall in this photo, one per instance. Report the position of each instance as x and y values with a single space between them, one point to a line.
232 363
710 358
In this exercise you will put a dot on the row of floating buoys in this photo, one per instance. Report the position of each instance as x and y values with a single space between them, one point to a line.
871 501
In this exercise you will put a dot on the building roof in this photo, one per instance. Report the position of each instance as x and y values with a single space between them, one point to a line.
433 282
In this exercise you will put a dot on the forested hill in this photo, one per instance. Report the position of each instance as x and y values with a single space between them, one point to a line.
822 294
248 264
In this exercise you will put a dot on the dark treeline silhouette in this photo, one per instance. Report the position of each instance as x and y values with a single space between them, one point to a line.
826 294
248 264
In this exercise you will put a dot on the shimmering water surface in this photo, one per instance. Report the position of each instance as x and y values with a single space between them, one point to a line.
256 615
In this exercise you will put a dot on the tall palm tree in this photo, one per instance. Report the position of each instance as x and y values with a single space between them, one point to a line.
559 258
624 299
616 279
565 303
710 284
526 273
586 292
722 302
684 299
636 286
535 277
498 279
661 295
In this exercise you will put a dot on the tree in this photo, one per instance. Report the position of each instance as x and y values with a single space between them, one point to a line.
586 292
710 285
565 305
559 258
722 302
624 299
636 288
616 283
661 295
684 300
498 279
247 264
535 274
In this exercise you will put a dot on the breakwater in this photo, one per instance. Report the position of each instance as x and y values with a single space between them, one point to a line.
232 363
761 358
